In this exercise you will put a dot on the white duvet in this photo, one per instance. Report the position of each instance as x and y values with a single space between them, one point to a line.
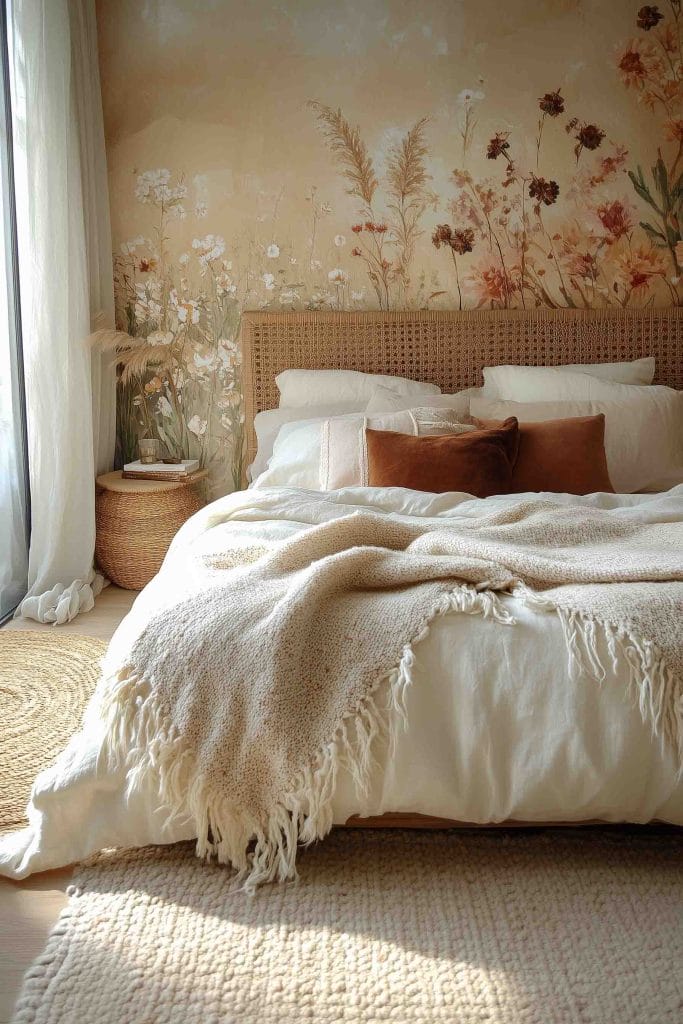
499 725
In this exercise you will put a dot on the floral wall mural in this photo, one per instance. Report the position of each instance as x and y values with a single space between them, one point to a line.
371 155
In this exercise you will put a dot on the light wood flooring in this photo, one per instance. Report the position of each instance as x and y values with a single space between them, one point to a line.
29 909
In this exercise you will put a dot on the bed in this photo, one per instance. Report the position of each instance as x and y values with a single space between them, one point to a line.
448 349
504 716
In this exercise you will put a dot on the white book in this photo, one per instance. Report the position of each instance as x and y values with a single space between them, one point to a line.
186 466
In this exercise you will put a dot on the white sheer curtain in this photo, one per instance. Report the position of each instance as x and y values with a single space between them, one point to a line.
13 498
66 292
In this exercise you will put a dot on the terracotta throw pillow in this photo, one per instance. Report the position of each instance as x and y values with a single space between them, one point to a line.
479 463
565 456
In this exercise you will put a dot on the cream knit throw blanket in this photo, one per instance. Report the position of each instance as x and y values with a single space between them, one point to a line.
244 702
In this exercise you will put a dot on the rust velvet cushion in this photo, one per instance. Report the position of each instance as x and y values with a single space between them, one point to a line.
479 463
566 456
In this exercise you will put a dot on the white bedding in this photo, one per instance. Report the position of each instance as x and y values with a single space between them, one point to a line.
499 728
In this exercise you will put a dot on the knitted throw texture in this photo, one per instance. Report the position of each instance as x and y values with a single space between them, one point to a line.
244 703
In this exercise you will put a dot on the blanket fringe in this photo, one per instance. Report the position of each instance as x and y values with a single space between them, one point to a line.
651 686
140 735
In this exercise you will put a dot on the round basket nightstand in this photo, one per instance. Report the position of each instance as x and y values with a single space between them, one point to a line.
137 520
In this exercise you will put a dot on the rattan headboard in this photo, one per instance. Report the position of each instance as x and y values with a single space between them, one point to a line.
448 348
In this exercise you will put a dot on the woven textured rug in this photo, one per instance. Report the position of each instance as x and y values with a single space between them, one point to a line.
46 679
549 927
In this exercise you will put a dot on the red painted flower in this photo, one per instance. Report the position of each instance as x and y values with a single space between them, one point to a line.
498 145
543 191
649 17
442 235
552 103
615 218
589 136
631 65
460 240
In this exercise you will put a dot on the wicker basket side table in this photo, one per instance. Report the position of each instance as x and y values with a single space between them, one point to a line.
136 521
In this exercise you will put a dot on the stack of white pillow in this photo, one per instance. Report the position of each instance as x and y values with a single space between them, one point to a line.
643 423
311 396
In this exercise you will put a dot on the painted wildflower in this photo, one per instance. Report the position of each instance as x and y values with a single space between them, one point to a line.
208 249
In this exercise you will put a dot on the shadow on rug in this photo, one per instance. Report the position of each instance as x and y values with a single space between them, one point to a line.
544 927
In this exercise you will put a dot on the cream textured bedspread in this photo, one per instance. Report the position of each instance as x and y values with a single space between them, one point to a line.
216 700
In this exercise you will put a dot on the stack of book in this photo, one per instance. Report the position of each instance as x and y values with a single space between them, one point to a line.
173 472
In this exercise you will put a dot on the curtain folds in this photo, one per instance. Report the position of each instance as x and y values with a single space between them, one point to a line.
66 293
14 504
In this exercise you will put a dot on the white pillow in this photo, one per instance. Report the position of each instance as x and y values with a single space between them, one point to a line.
638 371
343 450
643 434
384 400
268 423
316 387
543 383
320 455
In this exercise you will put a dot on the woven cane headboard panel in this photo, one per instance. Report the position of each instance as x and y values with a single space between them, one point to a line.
449 348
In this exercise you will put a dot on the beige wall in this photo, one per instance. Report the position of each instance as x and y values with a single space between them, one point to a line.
218 94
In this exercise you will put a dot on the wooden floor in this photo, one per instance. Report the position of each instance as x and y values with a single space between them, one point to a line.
29 909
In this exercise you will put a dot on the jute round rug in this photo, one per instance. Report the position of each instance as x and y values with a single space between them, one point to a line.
550 927
46 679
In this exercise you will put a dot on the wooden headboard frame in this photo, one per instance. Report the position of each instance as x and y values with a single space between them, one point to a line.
448 348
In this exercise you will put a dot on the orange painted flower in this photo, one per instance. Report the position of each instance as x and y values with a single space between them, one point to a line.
462 178
153 386
580 264
487 198
609 165
674 129
462 208
644 68
632 65
638 267
488 284
578 253
668 37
